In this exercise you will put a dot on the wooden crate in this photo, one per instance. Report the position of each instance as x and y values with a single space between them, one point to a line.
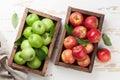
43 67
61 48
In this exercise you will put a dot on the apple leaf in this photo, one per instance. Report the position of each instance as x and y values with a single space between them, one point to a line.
106 40
19 41
69 29
15 20
52 30
40 54
82 41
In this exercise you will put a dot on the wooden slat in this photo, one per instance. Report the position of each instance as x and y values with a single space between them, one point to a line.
73 67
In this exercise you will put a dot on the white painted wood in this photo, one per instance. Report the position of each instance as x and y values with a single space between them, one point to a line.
111 26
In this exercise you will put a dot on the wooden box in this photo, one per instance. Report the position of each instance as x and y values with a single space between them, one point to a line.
61 47
43 68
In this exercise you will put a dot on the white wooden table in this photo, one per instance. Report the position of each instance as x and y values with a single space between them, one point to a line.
111 26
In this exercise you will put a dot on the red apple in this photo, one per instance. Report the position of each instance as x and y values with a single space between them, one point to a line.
104 55
67 56
94 35
70 42
85 62
89 47
80 31
76 19
79 52
91 22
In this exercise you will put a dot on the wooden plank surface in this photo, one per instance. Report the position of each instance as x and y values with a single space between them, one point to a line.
111 26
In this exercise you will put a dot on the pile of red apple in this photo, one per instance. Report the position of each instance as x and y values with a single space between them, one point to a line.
85 28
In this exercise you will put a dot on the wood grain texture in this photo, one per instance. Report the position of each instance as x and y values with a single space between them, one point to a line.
111 26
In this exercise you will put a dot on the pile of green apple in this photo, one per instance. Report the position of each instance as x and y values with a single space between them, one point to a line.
36 37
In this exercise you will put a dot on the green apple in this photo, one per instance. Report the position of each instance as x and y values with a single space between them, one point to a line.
46 38
31 18
48 24
35 40
28 54
35 63
38 27
45 49
25 44
17 58
27 32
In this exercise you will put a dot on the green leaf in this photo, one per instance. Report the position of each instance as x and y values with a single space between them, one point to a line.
81 41
69 29
40 54
106 40
52 30
15 20
19 41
